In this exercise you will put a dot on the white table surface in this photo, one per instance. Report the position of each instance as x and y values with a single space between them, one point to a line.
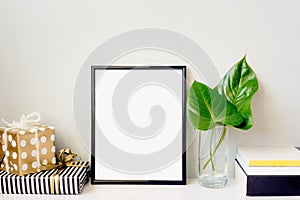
191 191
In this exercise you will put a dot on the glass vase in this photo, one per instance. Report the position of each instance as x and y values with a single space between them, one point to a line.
213 157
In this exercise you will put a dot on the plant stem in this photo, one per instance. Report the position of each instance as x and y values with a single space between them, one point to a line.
211 149
211 155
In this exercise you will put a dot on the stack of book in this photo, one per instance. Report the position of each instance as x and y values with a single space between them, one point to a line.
269 171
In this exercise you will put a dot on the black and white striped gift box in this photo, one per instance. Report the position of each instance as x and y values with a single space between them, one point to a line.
69 180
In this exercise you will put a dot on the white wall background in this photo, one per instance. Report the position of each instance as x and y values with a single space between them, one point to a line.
44 43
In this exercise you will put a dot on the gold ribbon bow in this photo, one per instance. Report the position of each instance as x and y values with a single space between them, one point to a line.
65 158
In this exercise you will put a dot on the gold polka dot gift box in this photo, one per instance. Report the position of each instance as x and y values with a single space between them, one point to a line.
26 146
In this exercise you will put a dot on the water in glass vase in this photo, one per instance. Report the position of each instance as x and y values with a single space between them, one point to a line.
213 157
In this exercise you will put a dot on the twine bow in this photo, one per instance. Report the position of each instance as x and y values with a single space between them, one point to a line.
25 121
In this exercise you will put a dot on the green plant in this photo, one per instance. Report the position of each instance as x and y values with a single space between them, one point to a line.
228 104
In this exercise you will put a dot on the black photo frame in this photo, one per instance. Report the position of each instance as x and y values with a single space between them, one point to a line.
124 153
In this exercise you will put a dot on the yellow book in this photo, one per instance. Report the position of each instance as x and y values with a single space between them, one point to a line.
270 156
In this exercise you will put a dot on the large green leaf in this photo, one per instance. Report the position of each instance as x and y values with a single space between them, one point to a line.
239 85
206 108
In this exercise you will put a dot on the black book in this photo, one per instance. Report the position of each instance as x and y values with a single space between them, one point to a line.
268 181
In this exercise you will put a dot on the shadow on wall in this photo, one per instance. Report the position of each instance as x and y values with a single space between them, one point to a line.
264 129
